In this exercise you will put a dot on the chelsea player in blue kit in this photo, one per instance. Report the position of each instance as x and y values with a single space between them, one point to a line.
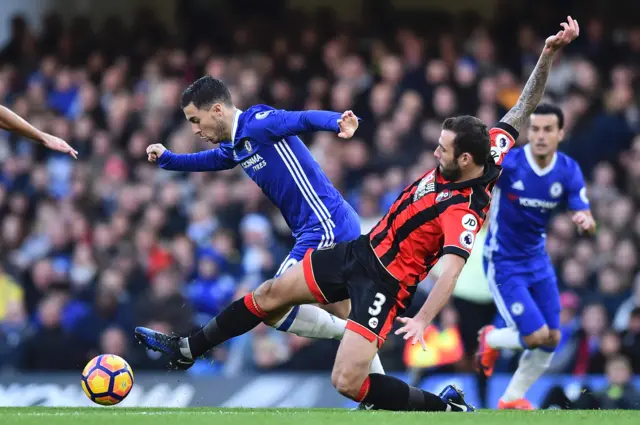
536 181
264 142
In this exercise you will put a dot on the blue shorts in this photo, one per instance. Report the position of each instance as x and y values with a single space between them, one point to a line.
526 295
347 228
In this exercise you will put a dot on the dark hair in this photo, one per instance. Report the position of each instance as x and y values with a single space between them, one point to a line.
472 137
549 109
206 91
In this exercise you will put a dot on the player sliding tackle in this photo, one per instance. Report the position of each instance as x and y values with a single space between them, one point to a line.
437 216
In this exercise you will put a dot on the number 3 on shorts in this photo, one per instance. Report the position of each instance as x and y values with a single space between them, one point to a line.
376 308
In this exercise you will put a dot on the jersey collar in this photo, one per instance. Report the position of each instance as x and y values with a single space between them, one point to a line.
534 165
234 128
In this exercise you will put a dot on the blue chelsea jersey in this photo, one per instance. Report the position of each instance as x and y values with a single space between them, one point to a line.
265 144
524 200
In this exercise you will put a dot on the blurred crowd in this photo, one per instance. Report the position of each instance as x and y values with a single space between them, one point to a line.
91 248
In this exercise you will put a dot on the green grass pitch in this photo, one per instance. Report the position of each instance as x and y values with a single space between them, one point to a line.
212 416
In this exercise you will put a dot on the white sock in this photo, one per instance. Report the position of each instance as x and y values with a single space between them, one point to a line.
532 365
504 338
376 366
313 322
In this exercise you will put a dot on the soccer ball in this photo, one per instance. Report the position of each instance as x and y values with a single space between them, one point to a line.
107 379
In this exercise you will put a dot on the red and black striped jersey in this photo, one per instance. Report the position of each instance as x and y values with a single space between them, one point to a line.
433 217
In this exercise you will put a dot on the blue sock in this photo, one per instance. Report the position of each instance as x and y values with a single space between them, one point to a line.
547 349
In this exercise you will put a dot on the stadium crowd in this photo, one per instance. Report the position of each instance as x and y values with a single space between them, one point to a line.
91 248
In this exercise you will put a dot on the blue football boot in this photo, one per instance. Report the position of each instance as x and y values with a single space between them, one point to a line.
169 345
455 399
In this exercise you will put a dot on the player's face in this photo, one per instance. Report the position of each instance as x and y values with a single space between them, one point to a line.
209 123
544 134
448 164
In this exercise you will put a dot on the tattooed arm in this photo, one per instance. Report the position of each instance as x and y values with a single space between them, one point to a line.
533 90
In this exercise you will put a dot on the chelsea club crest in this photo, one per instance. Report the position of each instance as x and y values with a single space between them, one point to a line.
556 190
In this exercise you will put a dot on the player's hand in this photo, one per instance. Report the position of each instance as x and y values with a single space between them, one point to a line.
570 32
59 145
155 151
348 125
584 221
413 328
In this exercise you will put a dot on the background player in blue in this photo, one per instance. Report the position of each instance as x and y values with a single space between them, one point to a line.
536 181
264 142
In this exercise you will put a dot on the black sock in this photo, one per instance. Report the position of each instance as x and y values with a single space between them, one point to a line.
389 393
237 319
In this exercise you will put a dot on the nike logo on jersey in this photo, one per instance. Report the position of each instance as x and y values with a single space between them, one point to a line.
518 185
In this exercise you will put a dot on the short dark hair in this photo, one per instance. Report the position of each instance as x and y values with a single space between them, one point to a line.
472 137
206 91
549 109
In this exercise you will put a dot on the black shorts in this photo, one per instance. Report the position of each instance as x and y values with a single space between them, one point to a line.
351 270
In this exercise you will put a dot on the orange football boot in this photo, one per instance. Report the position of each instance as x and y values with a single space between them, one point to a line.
486 356
519 404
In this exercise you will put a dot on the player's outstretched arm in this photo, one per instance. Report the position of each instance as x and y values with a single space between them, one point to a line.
534 89
13 122
451 266
211 160
279 123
